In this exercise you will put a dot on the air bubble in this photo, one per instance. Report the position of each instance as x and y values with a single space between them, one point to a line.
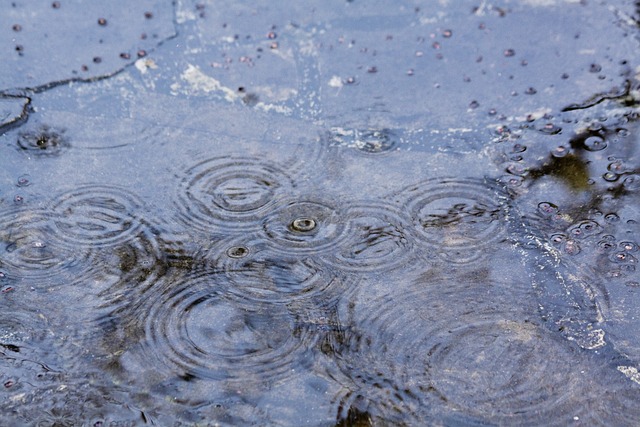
628 246
612 217
595 143
238 252
303 225
610 177
560 151
571 247
547 208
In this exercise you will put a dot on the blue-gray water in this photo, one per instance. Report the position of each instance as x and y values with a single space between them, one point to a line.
323 213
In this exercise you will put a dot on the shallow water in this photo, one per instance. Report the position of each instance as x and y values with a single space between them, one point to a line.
334 213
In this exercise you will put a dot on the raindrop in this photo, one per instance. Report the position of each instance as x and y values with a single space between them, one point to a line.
102 22
148 15
17 28
447 33
509 52
595 68
594 143
530 91
55 5
474 104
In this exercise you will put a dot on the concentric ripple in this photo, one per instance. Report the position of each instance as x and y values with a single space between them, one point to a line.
487 363
376 238
197 331
231 193
97 215
305 227
29 250
255 273
457 215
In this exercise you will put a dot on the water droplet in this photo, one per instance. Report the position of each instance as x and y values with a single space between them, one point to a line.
55 5
518 148
595 68
594 143
571 247
102 22
530 91
303 225
607 244
628 246
610 177
238 252
447 33
560 151
509 52
17 28
612 217
547 208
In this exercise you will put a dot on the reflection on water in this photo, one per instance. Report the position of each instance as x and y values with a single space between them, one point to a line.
284 220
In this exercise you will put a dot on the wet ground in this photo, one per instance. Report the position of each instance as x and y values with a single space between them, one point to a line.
332 213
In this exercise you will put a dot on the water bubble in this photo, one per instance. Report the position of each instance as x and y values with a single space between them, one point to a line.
238 252
607 244
631 182
610 177
628 246
595 68
560 151
375 141
530 91
509 52
519 148
571 247
516 169
547 209
617 167
23 181
102 22
303 225
612 217
595 143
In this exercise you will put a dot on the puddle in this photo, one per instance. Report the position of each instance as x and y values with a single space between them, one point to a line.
327 214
